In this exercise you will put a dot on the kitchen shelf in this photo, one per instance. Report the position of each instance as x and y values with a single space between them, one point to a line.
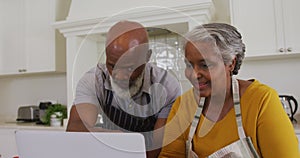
26 74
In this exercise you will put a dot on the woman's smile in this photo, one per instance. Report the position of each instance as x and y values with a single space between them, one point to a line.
203 85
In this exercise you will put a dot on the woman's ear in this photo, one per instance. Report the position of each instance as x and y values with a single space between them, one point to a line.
232 65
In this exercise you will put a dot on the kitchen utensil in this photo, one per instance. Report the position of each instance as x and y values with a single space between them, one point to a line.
43 106
28 113
290 105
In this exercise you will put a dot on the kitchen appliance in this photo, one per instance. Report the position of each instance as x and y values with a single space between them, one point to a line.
43 106
28 113
290 105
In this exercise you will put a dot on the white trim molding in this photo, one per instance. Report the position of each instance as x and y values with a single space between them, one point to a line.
149 16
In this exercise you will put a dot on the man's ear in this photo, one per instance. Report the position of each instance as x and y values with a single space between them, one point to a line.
149 53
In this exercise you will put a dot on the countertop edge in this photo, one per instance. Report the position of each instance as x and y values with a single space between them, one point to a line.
30 126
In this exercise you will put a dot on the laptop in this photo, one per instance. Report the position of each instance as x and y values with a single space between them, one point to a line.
61 144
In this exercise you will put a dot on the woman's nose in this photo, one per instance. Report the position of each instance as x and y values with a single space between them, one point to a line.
197 72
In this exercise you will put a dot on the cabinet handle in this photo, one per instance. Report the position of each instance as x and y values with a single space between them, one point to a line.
281 50
289 49
22 70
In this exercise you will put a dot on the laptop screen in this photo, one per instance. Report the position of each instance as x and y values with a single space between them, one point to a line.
59 144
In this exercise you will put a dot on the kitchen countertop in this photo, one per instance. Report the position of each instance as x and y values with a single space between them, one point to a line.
297 128
297 124
32 125
28 125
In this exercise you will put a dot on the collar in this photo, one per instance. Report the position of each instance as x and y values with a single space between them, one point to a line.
146 82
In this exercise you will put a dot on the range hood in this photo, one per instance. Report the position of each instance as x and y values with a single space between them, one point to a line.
88 22
96 16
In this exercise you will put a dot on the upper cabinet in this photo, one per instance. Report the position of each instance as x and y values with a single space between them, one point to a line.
11 36
28 42
268 27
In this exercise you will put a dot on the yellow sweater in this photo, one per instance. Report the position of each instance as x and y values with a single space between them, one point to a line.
264 120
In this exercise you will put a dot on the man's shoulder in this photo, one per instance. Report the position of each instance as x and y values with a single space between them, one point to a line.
91 71
90 74
100 68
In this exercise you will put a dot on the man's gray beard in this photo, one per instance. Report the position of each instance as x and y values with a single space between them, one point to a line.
128 92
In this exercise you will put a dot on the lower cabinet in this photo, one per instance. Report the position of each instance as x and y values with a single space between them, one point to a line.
8 145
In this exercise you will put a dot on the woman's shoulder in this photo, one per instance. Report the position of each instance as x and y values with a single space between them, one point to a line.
253 85
255 90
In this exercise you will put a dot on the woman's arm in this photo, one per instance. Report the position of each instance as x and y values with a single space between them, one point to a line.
275 132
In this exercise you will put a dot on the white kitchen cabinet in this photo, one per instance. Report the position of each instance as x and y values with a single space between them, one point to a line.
11 36
268 27
8 147
29 43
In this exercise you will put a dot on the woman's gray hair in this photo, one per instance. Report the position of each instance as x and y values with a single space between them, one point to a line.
227 39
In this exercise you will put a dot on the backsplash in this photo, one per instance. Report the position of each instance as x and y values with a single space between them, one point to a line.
167 53
30 90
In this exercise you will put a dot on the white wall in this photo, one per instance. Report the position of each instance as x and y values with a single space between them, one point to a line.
222 11
85 54
30 90
281 74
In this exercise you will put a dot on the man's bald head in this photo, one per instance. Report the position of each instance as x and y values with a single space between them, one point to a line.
127 33
127 51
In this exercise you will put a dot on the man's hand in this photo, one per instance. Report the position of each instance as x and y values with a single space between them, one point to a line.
82 117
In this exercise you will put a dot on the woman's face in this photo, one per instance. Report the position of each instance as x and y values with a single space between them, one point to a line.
206 70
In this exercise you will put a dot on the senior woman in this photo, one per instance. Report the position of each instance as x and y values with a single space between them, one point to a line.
222 116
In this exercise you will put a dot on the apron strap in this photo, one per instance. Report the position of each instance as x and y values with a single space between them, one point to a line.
242 147
237 107
194 126
196 118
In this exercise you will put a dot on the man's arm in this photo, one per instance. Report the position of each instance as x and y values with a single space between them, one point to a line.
157 138
82 117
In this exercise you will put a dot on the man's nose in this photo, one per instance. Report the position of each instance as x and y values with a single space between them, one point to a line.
121 74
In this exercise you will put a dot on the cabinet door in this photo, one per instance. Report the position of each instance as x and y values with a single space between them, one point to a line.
291 23
12 57
39 35
8 146
28 42
256 21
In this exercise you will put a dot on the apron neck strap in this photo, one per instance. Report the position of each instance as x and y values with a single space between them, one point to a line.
196 118
237 107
